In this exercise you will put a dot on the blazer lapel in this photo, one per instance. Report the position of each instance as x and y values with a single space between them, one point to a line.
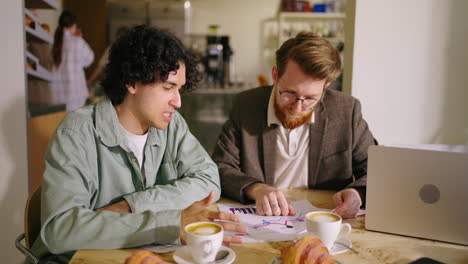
316 133
269 136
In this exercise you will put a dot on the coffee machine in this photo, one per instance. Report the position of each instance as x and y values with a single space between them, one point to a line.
217 60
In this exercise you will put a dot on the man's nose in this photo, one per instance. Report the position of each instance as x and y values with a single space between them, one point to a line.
297 106
176 100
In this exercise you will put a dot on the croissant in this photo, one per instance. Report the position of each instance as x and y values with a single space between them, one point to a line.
307 250
144 257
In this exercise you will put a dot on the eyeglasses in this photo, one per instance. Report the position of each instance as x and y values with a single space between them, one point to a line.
289 97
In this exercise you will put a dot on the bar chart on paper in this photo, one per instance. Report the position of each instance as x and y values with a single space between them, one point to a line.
270 228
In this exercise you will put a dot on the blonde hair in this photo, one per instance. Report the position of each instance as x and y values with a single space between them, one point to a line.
315 55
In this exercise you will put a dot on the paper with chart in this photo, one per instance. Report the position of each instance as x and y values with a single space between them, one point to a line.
271 228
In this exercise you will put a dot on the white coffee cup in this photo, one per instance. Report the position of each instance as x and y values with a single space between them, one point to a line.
204 240
326 226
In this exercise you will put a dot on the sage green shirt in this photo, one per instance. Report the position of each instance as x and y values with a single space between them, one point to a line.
89 165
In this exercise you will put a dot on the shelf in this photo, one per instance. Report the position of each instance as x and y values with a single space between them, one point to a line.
37 33
321 24
311 15
36 71
41 4
40 73
30 56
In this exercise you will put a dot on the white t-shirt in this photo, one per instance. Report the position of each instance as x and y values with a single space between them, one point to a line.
137 143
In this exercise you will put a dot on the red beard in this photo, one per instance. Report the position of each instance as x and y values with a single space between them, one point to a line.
288 121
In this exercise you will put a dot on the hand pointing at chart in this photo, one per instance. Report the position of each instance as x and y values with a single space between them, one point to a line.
269 200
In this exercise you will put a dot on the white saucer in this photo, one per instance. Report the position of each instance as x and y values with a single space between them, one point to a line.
338 248
182 255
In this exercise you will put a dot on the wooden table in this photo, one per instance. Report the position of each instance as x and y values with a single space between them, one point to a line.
373 247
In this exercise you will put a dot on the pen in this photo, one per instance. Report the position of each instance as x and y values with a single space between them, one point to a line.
338 207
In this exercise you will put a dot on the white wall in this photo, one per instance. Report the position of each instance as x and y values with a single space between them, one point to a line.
13 153
410 69
244 21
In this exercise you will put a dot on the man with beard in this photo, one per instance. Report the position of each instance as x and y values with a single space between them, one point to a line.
296 134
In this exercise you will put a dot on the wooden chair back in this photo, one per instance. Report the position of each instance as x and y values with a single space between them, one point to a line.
41 129
32 217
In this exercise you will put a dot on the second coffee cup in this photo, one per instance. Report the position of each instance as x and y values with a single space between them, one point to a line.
326 226
204 240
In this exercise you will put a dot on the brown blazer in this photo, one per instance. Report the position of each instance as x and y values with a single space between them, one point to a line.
339 139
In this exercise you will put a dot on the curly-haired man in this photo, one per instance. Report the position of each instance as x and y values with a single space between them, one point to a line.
126 171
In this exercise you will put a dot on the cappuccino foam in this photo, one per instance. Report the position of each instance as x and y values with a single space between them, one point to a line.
323 217
204 229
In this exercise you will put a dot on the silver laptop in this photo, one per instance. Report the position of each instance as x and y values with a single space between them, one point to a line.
419 192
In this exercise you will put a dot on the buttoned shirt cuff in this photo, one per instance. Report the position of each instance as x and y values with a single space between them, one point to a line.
167 228
167 223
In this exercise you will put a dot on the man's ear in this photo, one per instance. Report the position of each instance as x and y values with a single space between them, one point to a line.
131 88
274 74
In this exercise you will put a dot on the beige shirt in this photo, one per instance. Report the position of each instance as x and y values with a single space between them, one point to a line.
291 161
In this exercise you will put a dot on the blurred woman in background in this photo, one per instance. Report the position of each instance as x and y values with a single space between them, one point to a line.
71 54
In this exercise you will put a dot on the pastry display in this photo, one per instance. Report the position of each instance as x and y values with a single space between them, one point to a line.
46 27
30 64
29 22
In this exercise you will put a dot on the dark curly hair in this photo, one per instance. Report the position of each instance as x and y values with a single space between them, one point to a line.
146 54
